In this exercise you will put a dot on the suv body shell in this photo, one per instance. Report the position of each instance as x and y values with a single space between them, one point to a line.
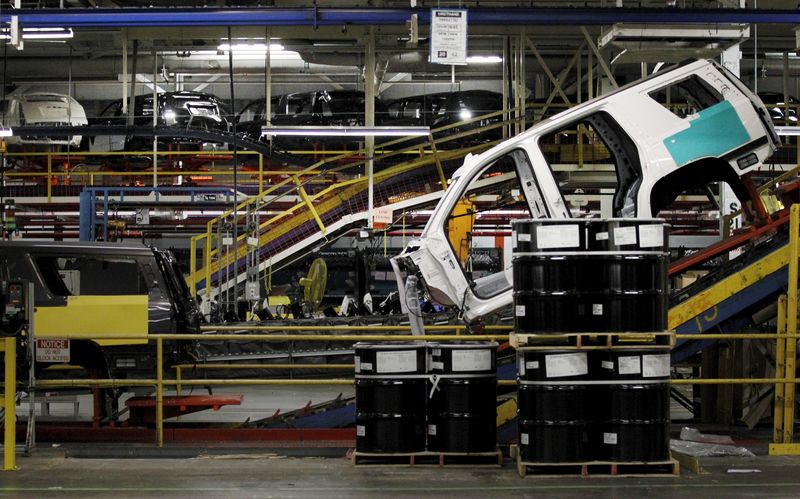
728 139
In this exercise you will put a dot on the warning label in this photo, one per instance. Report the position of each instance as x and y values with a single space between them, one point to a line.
52 350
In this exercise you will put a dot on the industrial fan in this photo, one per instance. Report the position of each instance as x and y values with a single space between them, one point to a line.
314 286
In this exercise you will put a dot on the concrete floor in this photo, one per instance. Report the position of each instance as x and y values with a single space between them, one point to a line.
253 473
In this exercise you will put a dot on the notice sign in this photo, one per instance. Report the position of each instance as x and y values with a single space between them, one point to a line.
448 36
52 350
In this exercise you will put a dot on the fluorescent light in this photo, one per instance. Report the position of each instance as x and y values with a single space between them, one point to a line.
6 132
356 131
40 33
250 47
788 131
484 59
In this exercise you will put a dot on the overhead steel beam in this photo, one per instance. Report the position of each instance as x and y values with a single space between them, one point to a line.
371 16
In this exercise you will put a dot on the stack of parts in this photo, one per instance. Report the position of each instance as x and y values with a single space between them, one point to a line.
573 278
402 389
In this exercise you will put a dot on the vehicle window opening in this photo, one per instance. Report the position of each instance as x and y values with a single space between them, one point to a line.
687 97
496 187
76 276
597 140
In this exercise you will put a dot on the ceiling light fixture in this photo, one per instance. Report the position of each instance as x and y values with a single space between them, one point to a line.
6 132
250 47
40 33
484 59
356 131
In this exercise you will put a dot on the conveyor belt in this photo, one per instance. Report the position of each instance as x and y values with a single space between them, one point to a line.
736 289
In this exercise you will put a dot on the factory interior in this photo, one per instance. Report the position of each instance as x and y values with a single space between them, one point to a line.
410 248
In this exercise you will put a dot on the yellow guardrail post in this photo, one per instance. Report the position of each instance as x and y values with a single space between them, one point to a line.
260 172
10 405
780 371
439 169
160 391
791 324
786 350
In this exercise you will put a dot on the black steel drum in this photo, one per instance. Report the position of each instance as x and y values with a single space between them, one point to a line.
556 408
590 276
462 408
635 405
390 397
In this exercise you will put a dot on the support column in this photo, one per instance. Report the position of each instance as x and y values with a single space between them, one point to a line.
369 119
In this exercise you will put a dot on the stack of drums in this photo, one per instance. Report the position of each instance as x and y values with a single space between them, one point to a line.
462 408
634 405
554 405
402 389
591 276
391 395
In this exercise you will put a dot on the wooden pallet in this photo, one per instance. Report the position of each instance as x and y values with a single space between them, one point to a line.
588 341
667 468
427 458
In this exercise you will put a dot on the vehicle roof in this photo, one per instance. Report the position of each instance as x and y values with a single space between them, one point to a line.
71 246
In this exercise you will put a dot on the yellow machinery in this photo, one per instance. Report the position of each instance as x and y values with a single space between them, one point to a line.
459 229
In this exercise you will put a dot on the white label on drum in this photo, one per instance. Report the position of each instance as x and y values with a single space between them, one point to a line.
601 236
655 366
607 364
513 239
523 438
597 309
437 365
472 360
523 238
532 364
361 430
558 236
624 235
651 236
366 366
403 361
567 364
610 438
519 310
436 352
357 362
520 366
431 429
630 365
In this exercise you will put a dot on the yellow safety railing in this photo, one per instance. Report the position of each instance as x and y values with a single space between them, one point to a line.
9 403
335 194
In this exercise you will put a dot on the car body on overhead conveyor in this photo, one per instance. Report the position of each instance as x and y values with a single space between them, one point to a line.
720 132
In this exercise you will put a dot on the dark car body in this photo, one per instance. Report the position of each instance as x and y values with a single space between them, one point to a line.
183 110
62 270
319 108
448 108
777 111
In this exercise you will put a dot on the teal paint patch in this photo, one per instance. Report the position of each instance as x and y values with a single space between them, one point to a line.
714 132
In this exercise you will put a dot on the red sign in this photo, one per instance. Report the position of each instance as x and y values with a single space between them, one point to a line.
52 350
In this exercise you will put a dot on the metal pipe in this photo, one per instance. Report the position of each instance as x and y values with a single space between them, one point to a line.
372 16
346 328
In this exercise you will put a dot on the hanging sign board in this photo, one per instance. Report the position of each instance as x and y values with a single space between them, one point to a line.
449 36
